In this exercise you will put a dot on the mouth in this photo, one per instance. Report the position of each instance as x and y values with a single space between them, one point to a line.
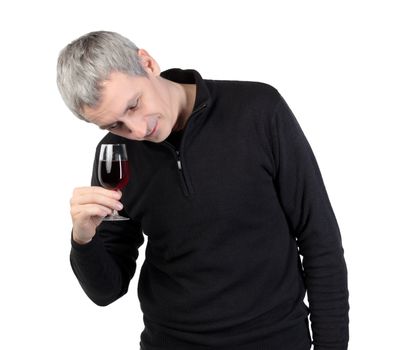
152 126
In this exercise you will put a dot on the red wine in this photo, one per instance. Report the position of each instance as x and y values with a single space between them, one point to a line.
113 175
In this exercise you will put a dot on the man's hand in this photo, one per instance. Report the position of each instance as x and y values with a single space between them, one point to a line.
88 206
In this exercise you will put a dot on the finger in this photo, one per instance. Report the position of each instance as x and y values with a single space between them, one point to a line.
79 191
96 198
84 212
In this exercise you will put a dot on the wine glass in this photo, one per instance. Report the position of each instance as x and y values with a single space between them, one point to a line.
113 172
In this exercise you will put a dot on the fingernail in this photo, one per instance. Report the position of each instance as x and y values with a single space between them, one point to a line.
119 206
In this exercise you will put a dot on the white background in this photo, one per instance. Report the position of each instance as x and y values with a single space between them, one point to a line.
339 64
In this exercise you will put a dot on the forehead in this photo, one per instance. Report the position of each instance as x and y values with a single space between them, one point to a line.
116 92
119 86
118 79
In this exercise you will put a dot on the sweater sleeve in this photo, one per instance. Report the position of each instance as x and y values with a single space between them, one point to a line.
311 220
105 265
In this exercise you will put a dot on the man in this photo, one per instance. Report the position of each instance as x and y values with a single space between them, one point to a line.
225 186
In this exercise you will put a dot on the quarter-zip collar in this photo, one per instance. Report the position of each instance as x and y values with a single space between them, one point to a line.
190 76
202 100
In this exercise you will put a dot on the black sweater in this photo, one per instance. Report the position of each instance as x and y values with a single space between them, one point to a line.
228 211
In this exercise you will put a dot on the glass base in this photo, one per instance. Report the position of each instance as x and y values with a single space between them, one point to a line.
115 218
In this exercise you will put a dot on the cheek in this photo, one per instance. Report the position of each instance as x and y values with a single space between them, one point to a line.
161 100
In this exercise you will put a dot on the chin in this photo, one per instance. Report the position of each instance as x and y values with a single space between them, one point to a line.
162 136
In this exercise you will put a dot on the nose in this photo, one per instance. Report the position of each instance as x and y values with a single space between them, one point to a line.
136 128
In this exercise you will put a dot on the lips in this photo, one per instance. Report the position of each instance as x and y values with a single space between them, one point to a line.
152 124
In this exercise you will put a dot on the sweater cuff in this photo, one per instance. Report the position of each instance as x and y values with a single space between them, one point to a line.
84 249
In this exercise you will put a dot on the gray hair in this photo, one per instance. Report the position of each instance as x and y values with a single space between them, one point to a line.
88 61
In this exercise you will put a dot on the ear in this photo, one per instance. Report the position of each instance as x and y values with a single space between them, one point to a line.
148 62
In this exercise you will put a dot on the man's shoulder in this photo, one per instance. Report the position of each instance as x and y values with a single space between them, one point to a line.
245 91
111 138
244 87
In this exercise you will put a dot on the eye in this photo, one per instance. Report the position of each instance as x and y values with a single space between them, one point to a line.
115 126
133 107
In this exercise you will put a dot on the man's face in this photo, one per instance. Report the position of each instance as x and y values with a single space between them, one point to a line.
135 107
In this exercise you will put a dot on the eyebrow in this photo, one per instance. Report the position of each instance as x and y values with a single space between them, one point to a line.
130 104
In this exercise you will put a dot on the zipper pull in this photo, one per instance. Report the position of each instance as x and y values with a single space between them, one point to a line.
178 160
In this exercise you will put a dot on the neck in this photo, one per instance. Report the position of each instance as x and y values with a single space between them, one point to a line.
187 97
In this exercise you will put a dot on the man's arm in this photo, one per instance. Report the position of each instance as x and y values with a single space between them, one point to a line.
104 266
103 254
312 221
